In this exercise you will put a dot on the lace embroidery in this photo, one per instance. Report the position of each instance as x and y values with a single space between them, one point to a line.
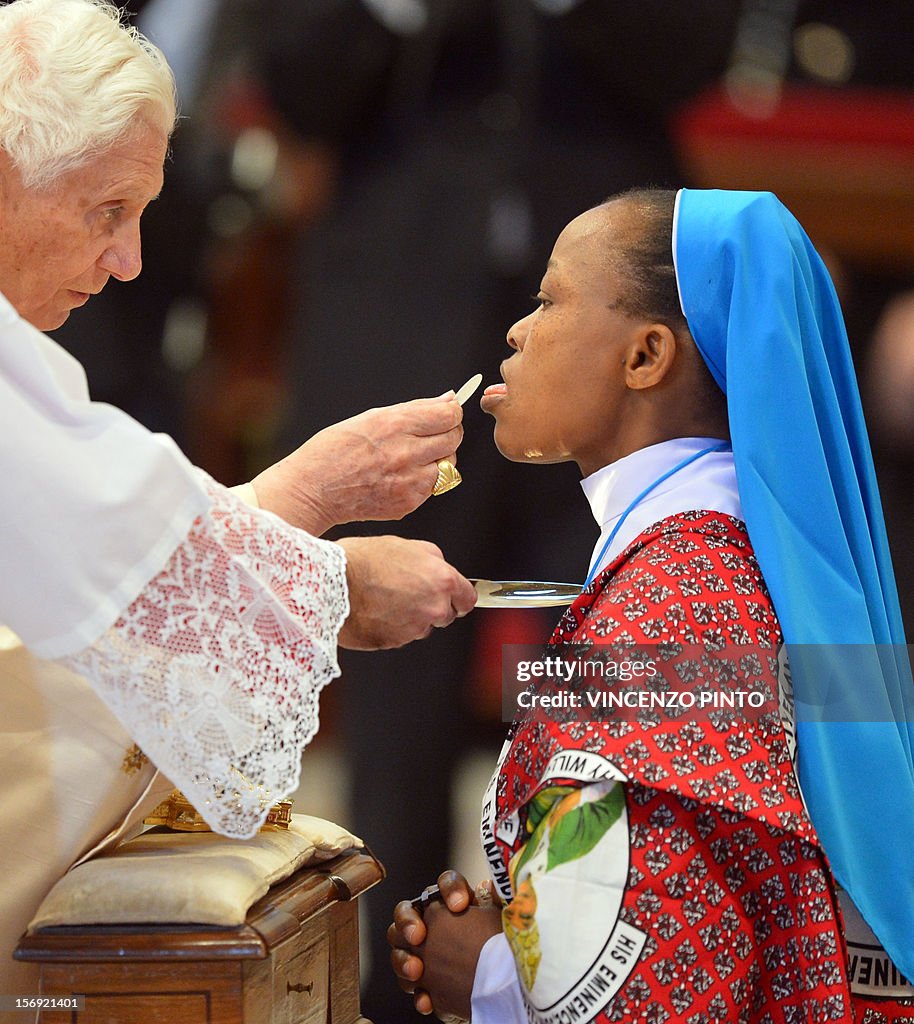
216 668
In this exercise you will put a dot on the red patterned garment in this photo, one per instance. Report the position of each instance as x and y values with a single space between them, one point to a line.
663 868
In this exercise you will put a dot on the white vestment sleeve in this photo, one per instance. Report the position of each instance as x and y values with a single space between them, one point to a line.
215 669
247 494
93 503
496 997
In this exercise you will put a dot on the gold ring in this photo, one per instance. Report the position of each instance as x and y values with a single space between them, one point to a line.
448 478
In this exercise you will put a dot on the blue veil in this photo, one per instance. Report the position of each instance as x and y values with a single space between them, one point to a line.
763 312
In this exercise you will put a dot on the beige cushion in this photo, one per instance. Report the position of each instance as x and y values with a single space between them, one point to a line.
188 877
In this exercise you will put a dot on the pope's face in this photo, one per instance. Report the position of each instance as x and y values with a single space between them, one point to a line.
59 246
564 389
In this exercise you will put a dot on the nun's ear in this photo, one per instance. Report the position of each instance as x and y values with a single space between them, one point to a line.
650 356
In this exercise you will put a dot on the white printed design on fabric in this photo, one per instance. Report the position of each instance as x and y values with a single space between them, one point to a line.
489 829
572 973
216 669
869 968
787 705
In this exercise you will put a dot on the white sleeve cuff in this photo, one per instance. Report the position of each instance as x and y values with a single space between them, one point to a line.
496 997
216 669
247 494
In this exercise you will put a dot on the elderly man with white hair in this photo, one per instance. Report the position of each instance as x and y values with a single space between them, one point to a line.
154 620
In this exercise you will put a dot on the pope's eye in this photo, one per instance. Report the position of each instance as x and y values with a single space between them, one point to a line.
112 212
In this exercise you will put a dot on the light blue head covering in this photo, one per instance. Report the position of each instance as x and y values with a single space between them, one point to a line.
763 312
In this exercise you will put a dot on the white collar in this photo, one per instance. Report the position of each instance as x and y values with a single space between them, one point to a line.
708 483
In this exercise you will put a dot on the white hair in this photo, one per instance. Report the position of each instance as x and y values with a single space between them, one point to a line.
74 79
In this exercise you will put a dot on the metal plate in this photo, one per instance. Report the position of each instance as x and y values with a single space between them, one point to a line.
524 593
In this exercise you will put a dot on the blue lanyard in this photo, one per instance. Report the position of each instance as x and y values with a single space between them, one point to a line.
723 446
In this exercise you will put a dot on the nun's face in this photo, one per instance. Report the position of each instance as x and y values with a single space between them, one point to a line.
564 391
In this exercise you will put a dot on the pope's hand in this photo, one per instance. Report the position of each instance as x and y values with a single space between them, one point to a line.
399 590
379 465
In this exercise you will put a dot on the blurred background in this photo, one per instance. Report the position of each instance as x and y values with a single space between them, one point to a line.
361 197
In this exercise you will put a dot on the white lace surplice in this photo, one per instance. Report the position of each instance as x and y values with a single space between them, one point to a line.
216 668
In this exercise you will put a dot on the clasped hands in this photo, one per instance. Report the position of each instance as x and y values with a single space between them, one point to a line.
379 465
434 954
